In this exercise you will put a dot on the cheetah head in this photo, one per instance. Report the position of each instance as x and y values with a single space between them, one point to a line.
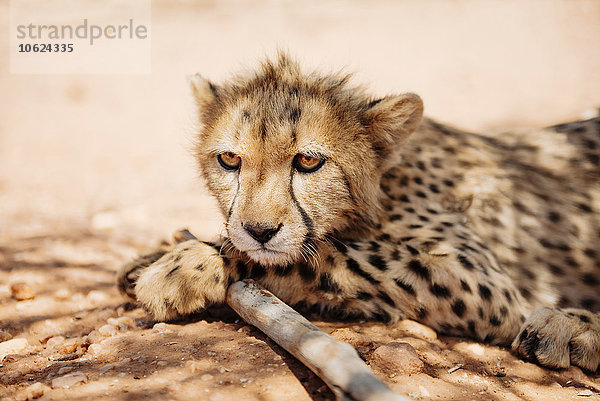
293 158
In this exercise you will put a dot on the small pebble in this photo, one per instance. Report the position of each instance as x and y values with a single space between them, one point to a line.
69 380
62 294
585 393
14 346
96 297
397 358
161 328
36 390
108 330
418 330
206 377
94 337
99 349
55 341
21 291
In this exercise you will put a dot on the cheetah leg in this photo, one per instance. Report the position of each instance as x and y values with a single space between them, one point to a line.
178 279
558 338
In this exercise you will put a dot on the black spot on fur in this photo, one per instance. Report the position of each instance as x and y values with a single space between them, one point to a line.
306 272
386 298
459 307
242 270
339 246
412 250
556 269
525 292
283 271
465 262
465 286
420 270
405 286
569 261
554 217
404 198
434 188
364 296
590 279
584 318
484 292
471 326
378 262
327 284
508 296
258 271
588 303
354 267
584 208
395 217
495 321
374 246
439 290
422 312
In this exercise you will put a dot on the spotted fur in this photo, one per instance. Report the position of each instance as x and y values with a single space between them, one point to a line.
493 237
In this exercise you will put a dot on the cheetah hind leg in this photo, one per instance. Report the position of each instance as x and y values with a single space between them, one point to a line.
129 273
557 338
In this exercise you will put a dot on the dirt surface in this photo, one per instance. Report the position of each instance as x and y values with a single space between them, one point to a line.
95 168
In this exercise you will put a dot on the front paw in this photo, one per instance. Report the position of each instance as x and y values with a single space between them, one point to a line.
185 279
558 338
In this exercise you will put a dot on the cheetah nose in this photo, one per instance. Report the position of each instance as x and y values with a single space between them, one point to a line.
262 232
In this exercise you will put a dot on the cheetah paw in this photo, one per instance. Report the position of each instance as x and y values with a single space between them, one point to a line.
557 338
185 279
129 274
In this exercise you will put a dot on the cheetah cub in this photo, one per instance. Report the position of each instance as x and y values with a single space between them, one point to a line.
358 207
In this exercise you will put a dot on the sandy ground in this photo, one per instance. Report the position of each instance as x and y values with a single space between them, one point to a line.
94 168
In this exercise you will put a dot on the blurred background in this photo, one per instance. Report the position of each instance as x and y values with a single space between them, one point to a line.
111 153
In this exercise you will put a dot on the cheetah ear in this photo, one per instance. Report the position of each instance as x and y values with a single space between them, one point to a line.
205 92
393 118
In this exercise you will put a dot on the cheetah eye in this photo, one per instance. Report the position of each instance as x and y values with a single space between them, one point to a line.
229 161
307 164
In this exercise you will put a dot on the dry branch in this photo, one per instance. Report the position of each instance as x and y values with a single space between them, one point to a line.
335 362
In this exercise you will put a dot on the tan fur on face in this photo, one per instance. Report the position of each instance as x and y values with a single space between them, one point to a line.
270 117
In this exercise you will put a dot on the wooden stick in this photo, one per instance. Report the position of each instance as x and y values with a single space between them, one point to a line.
335 362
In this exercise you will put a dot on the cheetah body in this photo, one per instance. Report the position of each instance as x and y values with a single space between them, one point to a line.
494 237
